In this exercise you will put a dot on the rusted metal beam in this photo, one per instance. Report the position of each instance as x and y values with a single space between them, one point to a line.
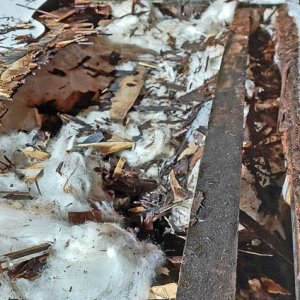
208 270
289 121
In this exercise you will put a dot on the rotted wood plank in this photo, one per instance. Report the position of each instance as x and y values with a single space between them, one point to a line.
289 119
208 270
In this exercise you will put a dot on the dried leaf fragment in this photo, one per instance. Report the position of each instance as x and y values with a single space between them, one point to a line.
130 87
34 153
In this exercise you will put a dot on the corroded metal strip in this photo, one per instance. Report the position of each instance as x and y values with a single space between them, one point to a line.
209 265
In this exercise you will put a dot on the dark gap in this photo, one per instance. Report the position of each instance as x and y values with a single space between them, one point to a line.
58 72
49 113
263 177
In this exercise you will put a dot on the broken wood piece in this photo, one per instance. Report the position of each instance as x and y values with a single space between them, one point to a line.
66 15
129 90
63 44
210 255
35 153
146 64
108 147
81 217
12 259
119 167
9 79
175 261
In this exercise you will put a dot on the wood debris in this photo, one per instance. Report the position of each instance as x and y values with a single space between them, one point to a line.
109 147
35 153
129 90
167 291
84 216
13 259
179 192
119 167
130 125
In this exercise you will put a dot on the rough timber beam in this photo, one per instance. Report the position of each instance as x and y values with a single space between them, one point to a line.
288 52
208 270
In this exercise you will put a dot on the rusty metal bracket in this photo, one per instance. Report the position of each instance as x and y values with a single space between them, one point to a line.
208 270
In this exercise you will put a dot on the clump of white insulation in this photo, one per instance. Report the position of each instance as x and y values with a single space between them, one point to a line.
92 260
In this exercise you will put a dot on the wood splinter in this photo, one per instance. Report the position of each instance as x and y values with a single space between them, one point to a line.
13 259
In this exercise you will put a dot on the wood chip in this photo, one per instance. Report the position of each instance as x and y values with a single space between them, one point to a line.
84 216
66 15
109 147
34 153
15 258
191 149
130 87
198 154
137 209
272 287
166 291
179 192
119 167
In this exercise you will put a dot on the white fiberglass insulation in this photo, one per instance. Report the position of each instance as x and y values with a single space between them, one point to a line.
104 261
156 38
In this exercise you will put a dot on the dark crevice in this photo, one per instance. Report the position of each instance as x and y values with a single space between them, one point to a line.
264 173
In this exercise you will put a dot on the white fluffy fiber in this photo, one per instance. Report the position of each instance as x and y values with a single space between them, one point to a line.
132 29
94 261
